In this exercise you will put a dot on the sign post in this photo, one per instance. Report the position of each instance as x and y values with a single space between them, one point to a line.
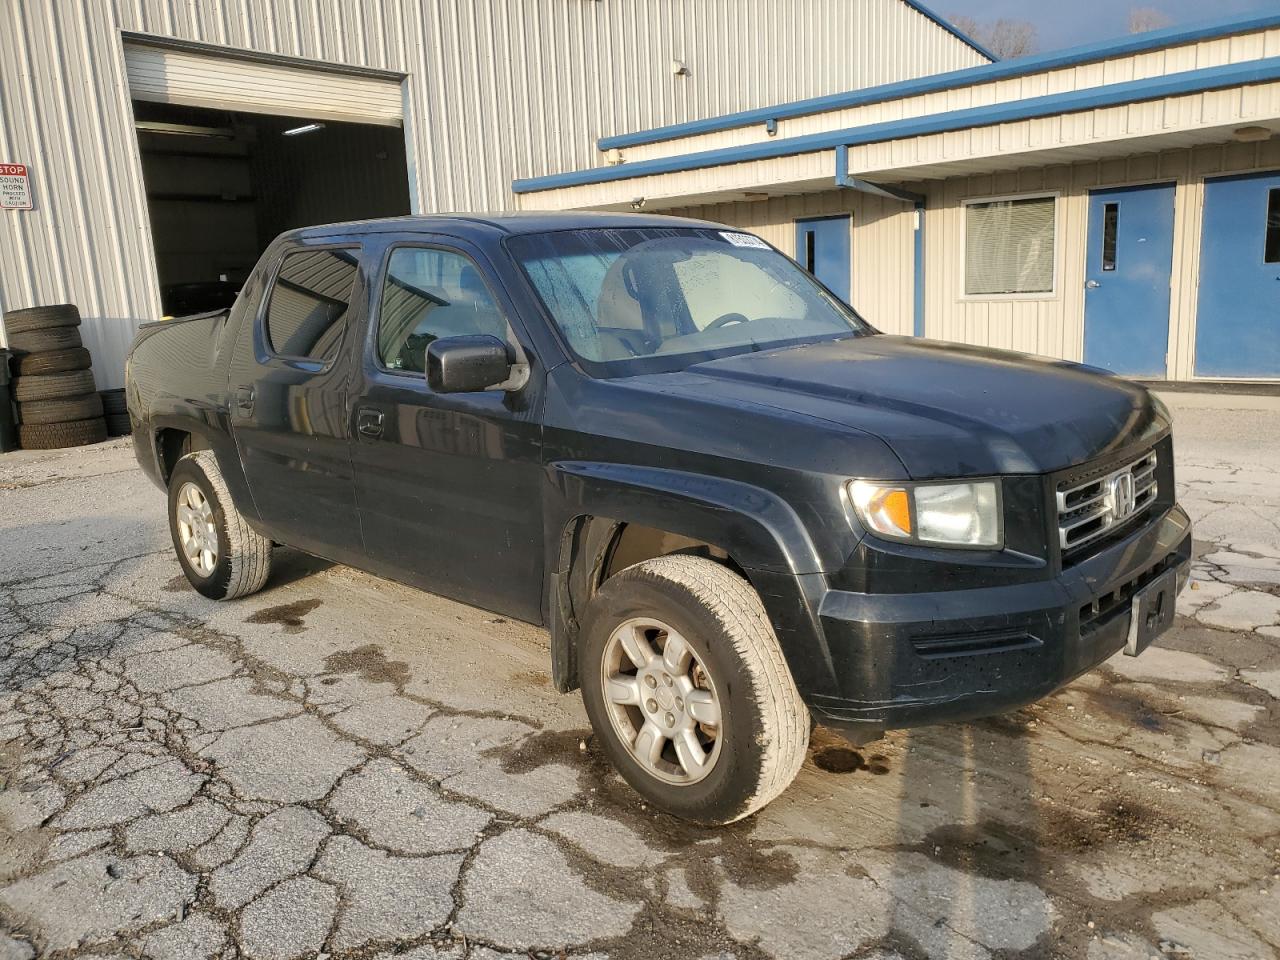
15 187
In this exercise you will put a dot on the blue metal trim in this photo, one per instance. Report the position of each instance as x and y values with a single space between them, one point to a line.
951 28
1001 70
1153 88
842 164
846 182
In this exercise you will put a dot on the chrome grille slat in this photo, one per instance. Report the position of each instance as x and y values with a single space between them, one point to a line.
1092 508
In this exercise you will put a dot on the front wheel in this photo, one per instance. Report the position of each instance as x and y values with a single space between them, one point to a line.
688 692
221 555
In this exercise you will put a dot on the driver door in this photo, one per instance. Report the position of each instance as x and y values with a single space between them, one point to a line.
448 485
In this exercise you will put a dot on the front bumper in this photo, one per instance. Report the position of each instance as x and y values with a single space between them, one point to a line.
910 659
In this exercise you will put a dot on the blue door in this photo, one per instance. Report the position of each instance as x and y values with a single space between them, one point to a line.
822 248
1238 320
1126 297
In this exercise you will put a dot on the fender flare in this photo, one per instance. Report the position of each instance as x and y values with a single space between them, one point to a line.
212 424
588 505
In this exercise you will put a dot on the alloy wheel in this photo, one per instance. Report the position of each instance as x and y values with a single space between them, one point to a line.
662 701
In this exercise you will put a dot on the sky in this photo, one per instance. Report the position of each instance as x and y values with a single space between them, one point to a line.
1065 24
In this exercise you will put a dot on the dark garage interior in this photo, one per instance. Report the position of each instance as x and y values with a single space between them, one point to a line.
221 186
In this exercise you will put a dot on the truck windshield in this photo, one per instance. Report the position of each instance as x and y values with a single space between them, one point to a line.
656 299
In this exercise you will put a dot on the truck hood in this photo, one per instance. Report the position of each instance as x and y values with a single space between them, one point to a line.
945 409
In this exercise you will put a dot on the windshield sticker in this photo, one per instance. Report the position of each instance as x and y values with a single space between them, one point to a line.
745 240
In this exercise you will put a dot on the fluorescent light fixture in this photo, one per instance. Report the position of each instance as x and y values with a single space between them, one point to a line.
184 130
305 128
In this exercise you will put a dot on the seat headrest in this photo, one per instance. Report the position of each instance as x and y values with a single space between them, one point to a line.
615 306
471 285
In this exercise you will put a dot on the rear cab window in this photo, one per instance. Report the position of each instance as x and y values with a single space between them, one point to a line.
307 310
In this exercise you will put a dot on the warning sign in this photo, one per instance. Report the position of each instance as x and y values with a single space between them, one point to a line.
15 187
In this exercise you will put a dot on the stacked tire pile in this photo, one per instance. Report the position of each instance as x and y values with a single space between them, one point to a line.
117 413
58 402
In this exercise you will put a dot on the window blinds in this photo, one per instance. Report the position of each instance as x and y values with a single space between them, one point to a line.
1009 247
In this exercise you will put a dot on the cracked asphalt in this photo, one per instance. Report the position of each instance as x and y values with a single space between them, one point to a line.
344 767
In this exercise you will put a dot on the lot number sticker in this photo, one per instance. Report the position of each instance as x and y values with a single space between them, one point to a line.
745 240
15 187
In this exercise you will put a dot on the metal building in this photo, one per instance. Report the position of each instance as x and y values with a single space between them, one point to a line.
1117 203
164 141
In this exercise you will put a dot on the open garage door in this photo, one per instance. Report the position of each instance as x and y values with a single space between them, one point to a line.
237 147
189 75
222 185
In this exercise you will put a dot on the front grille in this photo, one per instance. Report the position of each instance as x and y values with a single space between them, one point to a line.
1090 509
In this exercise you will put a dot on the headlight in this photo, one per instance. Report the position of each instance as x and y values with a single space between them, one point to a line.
945 514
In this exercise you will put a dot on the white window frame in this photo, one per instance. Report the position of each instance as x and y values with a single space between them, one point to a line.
1055 292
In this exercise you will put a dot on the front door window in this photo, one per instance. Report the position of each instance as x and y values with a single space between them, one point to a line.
430 294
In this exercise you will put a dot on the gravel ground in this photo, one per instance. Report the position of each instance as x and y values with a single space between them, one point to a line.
343 767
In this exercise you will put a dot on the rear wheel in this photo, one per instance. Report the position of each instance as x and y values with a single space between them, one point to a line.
221 555
688 692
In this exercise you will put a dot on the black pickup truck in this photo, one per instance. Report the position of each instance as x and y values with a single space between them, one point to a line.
738 507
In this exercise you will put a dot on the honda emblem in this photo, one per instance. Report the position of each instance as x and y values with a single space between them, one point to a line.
1122 496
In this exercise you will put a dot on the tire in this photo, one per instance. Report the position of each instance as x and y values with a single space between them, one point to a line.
119 425
243 560
85 407
113 401
54 436
40 341
41 318
52 361
763 729
52 386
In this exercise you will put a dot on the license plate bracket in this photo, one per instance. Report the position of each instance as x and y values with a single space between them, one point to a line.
1152 612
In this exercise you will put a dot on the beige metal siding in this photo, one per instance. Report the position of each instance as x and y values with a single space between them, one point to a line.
1194 56
496 89
1181 121
1054 326
65 111
166 75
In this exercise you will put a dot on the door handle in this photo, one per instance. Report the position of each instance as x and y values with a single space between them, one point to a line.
369 422
1092 285
244 400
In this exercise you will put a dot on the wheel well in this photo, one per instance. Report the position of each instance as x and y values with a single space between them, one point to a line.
593 550
635 543
172 444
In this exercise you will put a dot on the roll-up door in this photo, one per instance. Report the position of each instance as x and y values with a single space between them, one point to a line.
247 83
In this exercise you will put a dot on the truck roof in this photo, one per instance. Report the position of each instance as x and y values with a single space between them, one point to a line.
470 224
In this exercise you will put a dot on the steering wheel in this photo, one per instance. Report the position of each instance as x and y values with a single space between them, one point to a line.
728 318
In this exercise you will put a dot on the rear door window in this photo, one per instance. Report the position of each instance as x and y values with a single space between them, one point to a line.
306 315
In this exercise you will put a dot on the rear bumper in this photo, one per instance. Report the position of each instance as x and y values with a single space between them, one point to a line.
904 660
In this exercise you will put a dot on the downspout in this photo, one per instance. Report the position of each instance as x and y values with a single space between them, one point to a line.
917 326
845 182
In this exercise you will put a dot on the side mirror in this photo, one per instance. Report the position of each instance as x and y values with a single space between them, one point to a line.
467 364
